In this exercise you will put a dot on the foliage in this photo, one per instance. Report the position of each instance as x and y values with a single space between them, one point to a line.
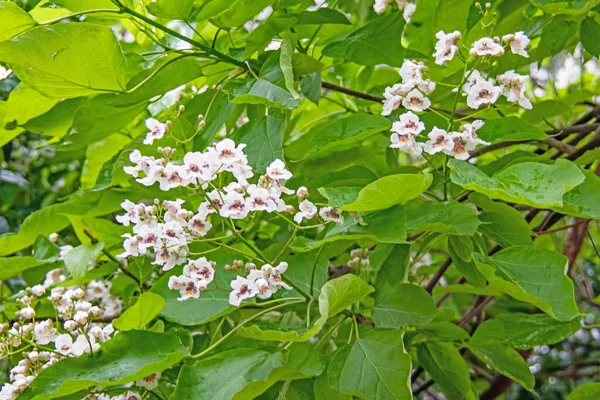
276 199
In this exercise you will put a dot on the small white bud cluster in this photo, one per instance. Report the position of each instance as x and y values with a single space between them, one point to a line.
360 257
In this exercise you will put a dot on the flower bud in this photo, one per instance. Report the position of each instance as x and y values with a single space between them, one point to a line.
365 263
70 325
27 313
81 317
95 311
53 237
353 263
302 193
356 253
78 294
33 355
38 290
289 209
250 266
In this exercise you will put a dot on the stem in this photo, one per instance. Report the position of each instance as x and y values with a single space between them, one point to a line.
207 49
252 318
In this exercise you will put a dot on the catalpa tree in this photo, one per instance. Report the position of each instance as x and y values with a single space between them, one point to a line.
290 199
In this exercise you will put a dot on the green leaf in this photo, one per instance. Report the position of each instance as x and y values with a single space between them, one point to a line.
148 306
464 262
446 366
587 391
535 276
238 12
502 223
506 361
310 86
285 62
171 9
582 200
524 331
365 45
259 38
450 217
385 226
44 250
13 20
222 376
391 264
588 34
509 128
325 392
555 37
13 266
440 330
534 184
322 16
340 293
260 91
571 7
67 60
402 305
79 259
389 191
99 153
340 196
127 357
376 366
263 138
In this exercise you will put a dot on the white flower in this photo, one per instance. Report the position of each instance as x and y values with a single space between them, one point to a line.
486 47
273 275
446 48
132 214
426 86
242 289
260 200
169 257
131 246
9 392
234 206
201 166
81 317
331 214
102 334
381 5
4 73
129 395
409 124
227 153
27 313
409 10
112 306
411 72
198 225
482 92
513 87
157 130
149 236
200 270
173 177
459 147
44 333
406 143
473 78
64 344
415 101
97 289
276 170
518 43
173 233
439 141
38 290
307 210
472 139
150 382
82 345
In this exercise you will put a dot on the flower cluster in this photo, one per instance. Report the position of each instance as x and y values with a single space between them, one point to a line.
262 283
481 91
79 334
410 92
167 229
455 144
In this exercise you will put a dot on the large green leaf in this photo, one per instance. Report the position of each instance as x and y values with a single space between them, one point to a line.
524 331
563 6
587 391
13 266
141 313
535 276
364 46
589 33
509 128
375 367
449 217
260 91
129 356
506 361
67 60
389 191
286 57
402 305
263 137
385 226
222 376
345 131
446 366
502 223
321 16
171 9
13 20
259 38
78 259
582 200
237 12
534 184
